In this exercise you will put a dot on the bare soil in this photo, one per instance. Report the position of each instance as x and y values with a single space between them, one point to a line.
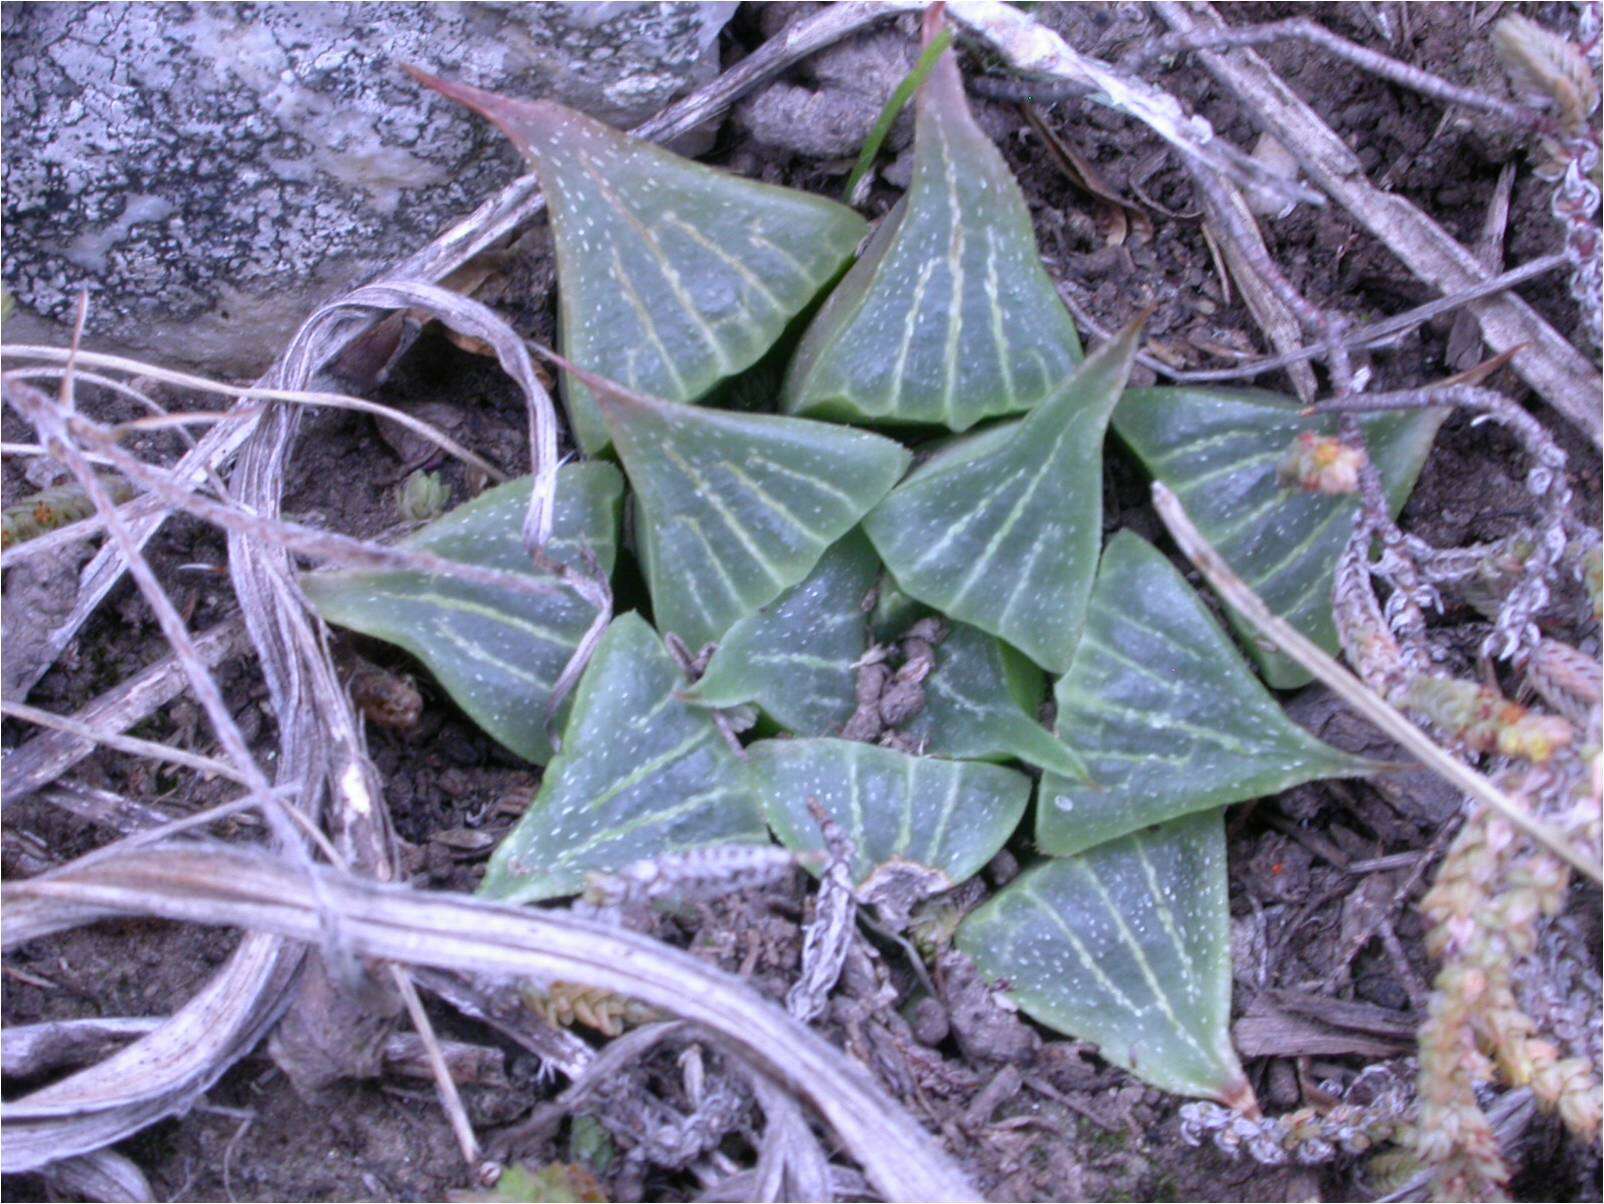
1054 1123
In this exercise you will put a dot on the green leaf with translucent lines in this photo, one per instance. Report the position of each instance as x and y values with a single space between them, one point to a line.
980 701
949 317
732 510
795 656
497 654
1127 945
674 276
1165 712
918 825
1001 530
640 774
1218 450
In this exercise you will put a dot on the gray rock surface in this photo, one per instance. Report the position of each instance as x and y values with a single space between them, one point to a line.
212 172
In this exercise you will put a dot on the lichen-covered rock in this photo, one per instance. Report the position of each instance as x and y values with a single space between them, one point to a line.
210 173
845 88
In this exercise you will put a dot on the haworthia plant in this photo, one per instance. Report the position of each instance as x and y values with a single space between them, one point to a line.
1001 530
1218 450
1127 945
640 774
734 509
1165 712
980 701
794 658
497 654
911 819
674 275
949 317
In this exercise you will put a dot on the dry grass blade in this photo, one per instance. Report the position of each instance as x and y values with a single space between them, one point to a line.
1350 689
172 1066
1302 29
47 756
461 1127
128 744
201 384
215 885
1032 48
164 1072
27 1050
103 1175
294 537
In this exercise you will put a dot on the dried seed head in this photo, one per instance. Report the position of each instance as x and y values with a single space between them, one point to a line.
1321 464
1548 67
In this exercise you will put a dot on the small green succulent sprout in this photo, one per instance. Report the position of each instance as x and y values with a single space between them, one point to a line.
422 496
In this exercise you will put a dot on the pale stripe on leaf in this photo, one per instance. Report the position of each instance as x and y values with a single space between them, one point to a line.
497 654
640 774
673 275
942 820
981 700
1165 713
949 316
1002 530
1127 946
1218 450
795 656
734 509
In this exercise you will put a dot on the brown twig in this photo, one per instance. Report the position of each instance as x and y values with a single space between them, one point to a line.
46 757
1303 30
1376 334
450 1100
1561 375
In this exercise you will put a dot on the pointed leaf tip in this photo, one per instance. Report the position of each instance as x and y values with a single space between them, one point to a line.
948 318
1002 530
673 276
522 121
498 655
1165 712
734 509
640 774
1127 945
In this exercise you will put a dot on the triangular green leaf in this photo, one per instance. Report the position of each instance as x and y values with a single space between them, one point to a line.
1002 530
733 509
910 818
1127 945
674 275
1218 450
980 701
497 654
1166 713
795 656
949 316
640 774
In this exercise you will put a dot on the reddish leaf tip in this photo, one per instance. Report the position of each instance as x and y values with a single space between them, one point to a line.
519 120
1239 1097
